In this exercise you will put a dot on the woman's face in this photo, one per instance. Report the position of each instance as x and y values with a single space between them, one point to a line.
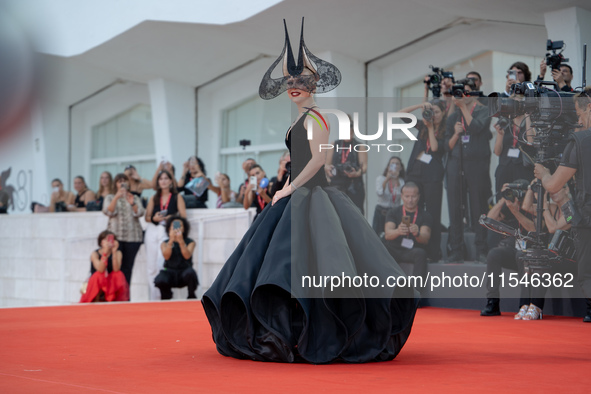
225 182
164 181
300 88
105 179
437 115
121 182
194 166
395 161
78 185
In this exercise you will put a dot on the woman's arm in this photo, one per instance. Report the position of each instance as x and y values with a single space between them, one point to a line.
97 262
328 167
180 202
186 250
499 140
166 248
216 189
149 210
117 258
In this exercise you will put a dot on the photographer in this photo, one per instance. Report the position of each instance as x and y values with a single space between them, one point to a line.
511 161
177 251
345 168
408 231
517 73
467 139
576 162
257 192
425 166
562 76
513 209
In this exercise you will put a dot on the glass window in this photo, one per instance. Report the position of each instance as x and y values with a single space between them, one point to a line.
125 139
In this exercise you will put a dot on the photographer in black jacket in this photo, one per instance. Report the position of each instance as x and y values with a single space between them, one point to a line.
467 139
576 161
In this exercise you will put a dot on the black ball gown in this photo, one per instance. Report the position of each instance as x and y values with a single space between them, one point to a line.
257 313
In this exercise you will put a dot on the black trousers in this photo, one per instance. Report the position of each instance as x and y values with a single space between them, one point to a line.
582 237
430 201
416 256
507 257
128 252
169 278
476 184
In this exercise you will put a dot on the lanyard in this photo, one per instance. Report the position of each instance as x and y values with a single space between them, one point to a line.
164 207
428 145
392 192
471 111
515 132
261 201
416 214
345 154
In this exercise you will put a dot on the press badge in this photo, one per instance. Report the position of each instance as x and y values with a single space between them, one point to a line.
465 139
513 152
426 158
407 243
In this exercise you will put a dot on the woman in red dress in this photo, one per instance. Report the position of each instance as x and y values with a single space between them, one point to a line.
107 282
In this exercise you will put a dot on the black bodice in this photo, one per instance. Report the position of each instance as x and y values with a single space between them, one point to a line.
299 149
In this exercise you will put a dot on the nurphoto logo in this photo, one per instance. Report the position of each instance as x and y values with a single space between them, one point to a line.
405 122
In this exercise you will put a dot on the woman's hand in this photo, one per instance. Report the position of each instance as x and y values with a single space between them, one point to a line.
114 246
329 171
286 191
129 198
499 130
458 128
120 193
158 217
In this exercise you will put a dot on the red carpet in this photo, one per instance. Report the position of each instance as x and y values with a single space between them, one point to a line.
167 347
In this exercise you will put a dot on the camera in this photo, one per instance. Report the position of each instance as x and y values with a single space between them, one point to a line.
428 114
244 143
458 90
514 191
553 59
503 122
341 169
435 79
563 245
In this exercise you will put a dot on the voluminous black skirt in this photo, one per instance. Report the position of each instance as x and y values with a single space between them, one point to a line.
257 313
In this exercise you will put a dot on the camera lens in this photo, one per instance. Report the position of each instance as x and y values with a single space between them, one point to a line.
428 114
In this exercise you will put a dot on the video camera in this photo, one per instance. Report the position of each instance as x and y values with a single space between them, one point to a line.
552 114
458 90
553 59
434 82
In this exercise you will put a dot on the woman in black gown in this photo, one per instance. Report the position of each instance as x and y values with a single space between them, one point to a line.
257 307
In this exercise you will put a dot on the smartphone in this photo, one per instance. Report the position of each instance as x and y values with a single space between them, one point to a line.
393 167
406 220
111 238
163 213
512 75
176 225
124 185
253 180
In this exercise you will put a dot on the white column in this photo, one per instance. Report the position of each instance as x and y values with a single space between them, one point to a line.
173 119
573 26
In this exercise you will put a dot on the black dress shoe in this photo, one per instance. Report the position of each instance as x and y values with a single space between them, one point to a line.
587 318
491 308
455 259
